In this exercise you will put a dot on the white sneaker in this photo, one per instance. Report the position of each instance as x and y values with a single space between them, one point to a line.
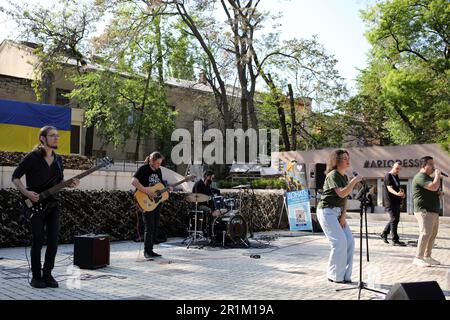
421 263
432 261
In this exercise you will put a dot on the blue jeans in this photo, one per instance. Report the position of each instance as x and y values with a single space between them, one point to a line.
342 244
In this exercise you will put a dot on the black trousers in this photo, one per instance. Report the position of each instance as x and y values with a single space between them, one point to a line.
151 222
394 214
46 222
140 226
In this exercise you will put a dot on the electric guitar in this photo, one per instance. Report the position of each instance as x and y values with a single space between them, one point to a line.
41 205
148 204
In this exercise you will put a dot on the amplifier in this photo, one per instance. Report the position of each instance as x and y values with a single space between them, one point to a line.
91 251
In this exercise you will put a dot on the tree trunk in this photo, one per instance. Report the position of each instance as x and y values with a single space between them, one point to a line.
142 108
293 118
281 113
221 92
244 110
159 62
138 143
89 141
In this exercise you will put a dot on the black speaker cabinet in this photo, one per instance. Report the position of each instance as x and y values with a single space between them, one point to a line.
428 290
320 174
315 223
91 251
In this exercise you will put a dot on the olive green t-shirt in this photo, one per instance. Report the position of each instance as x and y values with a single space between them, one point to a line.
329 198
424 199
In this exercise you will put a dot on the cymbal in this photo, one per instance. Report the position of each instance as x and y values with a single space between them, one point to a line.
197 197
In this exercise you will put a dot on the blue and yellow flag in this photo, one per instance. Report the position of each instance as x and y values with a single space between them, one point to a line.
20 123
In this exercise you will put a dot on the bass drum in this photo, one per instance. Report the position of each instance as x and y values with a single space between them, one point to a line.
229 229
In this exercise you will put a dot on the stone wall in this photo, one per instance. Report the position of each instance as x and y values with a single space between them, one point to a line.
16 89
114 213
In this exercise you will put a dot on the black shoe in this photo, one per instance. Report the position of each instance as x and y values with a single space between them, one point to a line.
148 256
344 281
399 244
50 281
155 255
38 283
384 237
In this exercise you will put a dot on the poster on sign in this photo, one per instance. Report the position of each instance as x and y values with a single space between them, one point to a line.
299 211
294 174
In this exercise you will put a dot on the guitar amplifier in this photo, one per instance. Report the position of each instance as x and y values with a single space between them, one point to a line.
91 251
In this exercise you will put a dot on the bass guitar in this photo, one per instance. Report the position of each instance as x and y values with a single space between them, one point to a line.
37 207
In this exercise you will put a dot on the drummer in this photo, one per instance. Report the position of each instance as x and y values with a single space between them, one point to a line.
204 186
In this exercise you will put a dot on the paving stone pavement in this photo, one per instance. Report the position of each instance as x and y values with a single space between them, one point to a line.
291 267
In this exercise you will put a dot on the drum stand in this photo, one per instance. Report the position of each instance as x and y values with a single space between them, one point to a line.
196 236
224 234
245 243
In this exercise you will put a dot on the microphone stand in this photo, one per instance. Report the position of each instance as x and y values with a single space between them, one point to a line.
253 201
362 211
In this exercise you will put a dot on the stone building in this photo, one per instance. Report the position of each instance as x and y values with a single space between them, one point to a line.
194 100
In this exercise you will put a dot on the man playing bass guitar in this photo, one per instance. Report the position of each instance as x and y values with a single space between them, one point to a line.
43 168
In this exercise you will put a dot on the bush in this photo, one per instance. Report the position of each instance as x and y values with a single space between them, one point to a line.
268 184
12 159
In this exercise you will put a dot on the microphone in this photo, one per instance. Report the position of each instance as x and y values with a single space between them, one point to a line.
444 174
356 174
362 179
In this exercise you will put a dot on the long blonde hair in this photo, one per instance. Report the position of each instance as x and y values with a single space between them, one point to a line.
334 159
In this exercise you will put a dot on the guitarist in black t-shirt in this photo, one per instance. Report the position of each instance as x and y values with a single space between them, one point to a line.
43 169
393 195
148 175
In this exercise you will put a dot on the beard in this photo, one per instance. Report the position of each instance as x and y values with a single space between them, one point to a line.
54 147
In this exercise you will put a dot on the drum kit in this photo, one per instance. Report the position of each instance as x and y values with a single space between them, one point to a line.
223 225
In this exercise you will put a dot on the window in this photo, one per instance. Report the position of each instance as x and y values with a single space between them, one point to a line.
75 139
61 98
130 156
99 153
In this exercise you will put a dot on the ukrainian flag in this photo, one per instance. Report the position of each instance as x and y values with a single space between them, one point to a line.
20 123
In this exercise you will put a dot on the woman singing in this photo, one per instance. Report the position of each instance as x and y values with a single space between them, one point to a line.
331 214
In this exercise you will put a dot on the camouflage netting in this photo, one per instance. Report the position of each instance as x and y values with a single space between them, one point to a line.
76 162
114 213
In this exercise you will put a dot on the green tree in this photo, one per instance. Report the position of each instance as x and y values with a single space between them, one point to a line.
409 71
134 45
61 32
118 106
304 69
